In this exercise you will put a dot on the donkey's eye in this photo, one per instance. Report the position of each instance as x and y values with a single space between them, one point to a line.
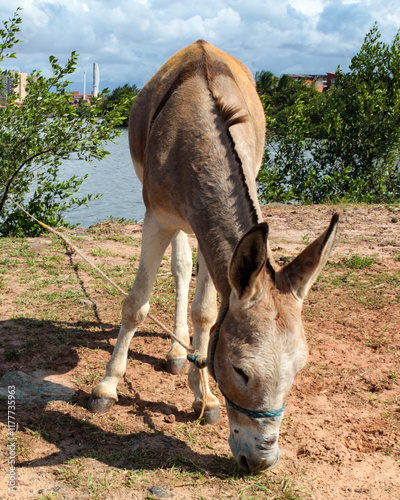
241 374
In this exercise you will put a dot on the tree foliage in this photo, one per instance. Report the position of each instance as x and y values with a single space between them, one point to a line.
278 95
266 83
343 144
37 135
126 94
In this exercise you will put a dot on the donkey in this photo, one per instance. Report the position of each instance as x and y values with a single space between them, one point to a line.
196 134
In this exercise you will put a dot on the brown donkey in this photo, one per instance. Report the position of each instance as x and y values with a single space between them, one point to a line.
197 139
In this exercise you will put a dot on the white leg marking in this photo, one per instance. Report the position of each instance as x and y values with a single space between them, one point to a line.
155 240
181 264
204 313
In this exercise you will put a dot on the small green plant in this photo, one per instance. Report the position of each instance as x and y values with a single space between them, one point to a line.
101 252
358 262
121 220
72 471
10 353
306 239
381 340
194 259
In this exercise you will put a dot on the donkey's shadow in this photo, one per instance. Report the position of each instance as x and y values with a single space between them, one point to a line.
78 438
34 346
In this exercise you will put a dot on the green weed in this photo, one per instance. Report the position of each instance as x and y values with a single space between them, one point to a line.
358 262
306 239
11 353
102 252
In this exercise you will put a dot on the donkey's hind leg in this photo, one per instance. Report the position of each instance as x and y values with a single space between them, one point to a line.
155 240
204 313
181 264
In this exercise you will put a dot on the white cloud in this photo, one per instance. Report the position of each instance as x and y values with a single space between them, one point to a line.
308 7
130 39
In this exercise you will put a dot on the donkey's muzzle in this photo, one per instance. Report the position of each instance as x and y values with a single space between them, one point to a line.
253 463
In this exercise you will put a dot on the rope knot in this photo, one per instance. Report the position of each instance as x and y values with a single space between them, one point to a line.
198 360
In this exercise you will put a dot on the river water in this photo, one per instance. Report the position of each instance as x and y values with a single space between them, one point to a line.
115 178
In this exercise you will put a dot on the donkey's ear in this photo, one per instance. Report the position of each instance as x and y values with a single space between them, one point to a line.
248 260
302 272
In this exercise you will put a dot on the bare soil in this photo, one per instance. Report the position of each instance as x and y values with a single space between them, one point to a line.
340 438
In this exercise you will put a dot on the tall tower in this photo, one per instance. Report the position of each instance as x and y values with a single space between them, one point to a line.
96 79
84 84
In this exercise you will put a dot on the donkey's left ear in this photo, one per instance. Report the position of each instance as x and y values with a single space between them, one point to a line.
302 272
248 262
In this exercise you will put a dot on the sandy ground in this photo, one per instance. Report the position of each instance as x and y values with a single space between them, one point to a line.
341 434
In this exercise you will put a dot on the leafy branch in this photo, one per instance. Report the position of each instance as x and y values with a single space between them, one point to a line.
38 133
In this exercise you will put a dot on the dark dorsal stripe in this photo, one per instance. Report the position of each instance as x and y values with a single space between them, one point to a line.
186 73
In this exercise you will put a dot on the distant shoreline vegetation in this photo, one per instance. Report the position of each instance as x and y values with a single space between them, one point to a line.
125 94
342 144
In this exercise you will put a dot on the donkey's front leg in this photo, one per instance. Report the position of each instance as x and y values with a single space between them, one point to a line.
135 308
181 264
204 313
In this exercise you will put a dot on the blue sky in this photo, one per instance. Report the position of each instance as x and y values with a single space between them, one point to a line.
130 39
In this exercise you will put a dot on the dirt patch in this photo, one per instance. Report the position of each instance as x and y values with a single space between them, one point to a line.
340 437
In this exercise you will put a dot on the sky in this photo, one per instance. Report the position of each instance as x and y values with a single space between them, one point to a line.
131 39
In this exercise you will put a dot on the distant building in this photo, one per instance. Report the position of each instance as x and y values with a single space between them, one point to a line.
9 85
78 98
322 82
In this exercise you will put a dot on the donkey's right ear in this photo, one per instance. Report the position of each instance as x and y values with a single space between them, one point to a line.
248 260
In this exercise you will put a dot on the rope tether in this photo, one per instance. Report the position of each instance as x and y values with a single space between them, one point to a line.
199 361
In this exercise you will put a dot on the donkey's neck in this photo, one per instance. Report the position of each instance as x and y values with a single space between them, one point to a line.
228 210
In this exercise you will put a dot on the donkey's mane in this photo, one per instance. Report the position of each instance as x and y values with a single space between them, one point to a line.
230 114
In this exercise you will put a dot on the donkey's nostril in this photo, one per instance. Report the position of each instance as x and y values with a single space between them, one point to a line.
267 443
243 463
271 440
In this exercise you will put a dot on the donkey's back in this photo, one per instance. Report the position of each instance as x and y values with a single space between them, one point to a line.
179 120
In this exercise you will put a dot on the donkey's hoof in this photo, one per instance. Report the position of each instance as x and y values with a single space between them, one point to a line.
212 417
100 405
177 365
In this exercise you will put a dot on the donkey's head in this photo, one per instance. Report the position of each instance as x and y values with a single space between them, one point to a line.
260 345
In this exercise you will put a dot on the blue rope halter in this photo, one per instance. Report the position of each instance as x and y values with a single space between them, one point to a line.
252 413
197 359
